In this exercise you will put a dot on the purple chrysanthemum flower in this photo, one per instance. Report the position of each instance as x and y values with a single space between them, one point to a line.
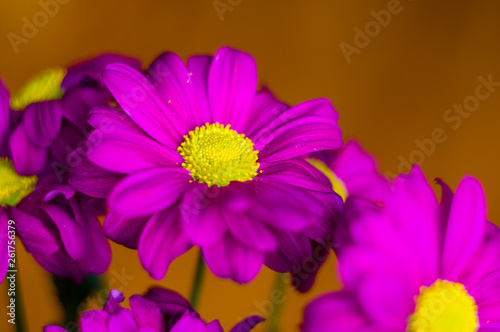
13 187
205 159
417 265
159 310
55 223
354 176
55 108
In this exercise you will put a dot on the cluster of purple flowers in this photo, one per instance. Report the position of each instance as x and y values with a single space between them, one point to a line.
195 154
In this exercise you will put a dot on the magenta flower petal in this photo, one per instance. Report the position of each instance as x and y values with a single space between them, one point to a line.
147 314
61 264
69 139
112 305
138 98
54 328
489 253
34 234
170 302
333 312
358 170
415 201
308 127
76 104
162 241
107 119
466 228
280 206
125 151
243 228
21 147
189 323
267 114
295 249
386 299
214 326
70 230
149 191
202 217
170 77
199 68
98 255
232 84
32 202
89 73
247 324
90 179
124 230
232 259
94 321
298 173
122 321
42 122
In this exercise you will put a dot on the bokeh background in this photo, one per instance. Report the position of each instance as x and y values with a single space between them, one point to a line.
393 88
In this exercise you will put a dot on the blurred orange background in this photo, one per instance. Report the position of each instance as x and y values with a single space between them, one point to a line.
394 84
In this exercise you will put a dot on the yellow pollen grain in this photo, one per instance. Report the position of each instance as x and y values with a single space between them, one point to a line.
13 187
215 154
46 85
444 306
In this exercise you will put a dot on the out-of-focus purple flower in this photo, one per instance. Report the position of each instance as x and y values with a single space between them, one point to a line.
203 158
159 310
60 228
13 187
63 116
417 265
354 176
56 224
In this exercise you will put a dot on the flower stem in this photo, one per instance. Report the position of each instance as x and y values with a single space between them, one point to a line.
197 281
275 318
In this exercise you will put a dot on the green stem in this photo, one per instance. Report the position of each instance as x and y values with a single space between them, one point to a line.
197 281
275 318
71 294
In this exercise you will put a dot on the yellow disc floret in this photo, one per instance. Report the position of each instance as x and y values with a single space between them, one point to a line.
216 154
13 187
337 184
44 86
444 307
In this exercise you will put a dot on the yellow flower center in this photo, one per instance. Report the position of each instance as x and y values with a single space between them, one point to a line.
216 154
444 307
44 86
337 184
13 187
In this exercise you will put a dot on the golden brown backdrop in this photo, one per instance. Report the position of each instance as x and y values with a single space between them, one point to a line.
393 85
